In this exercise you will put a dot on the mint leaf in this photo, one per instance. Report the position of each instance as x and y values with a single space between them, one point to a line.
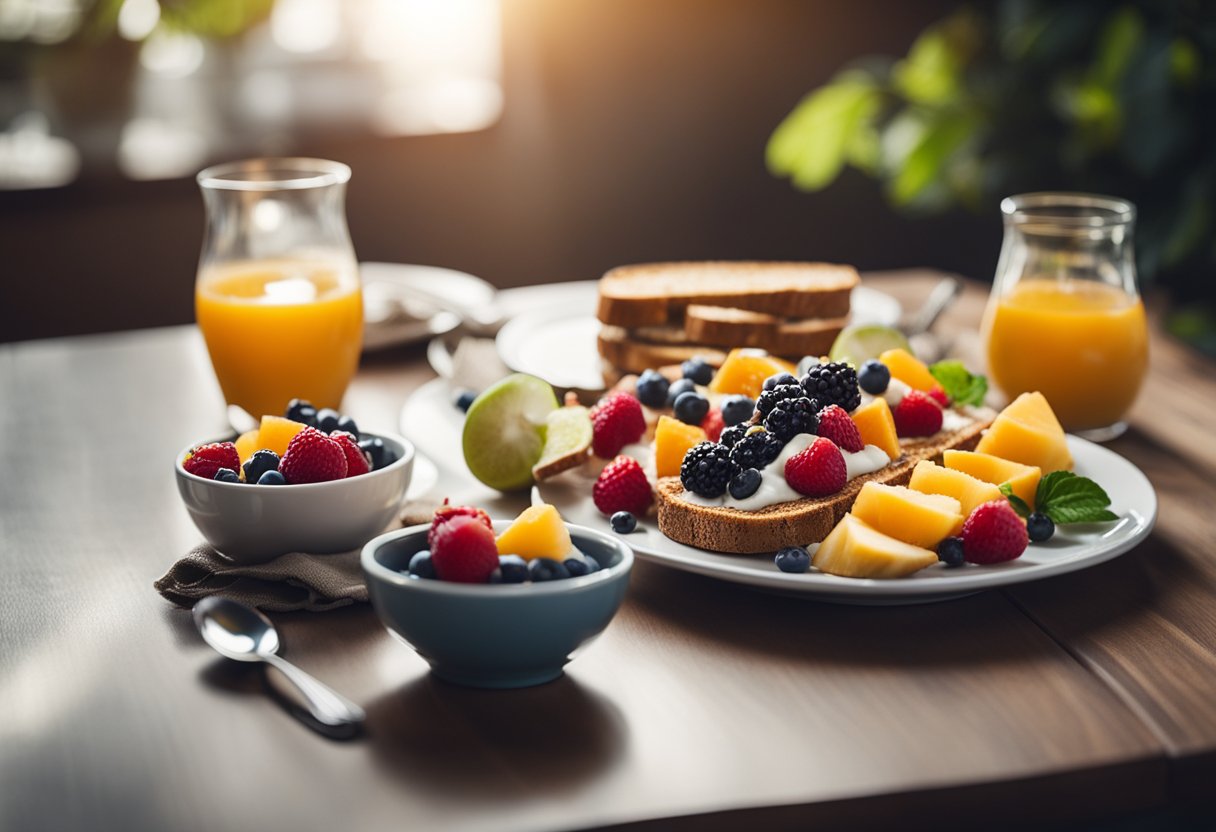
959 383
1019 505
1067 498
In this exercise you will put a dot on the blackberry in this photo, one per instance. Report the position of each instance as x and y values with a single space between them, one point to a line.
757 450
779 393
777 380
731 435
793 416
707 469
834 383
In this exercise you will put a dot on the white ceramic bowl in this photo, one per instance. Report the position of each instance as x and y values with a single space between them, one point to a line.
257 523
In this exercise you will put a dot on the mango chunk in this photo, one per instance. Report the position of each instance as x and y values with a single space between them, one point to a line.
1028 432
855 550
1023 479
909 369
672 439
246 444
916 518
744 371
538 532
276 432
877 426
930 478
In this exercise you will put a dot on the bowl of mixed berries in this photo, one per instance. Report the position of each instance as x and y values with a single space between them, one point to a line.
308 481
496 604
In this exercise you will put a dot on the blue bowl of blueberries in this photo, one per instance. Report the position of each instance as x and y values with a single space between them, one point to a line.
517 631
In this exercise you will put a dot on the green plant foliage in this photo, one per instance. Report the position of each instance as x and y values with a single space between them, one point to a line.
1024 95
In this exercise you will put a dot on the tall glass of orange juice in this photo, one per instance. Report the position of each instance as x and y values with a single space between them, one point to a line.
277 295
1065 317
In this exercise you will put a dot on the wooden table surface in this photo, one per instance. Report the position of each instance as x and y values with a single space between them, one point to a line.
704 704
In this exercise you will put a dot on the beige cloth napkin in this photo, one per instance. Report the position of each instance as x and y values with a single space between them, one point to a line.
294 581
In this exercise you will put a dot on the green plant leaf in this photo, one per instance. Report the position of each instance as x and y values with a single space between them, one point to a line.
1068 498
959 383
813 142
1018 504
941 135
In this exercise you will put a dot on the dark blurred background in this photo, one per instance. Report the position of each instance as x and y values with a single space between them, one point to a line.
592 134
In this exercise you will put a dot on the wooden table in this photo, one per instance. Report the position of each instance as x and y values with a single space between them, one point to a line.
704 704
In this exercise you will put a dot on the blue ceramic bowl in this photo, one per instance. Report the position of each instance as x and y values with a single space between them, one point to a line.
495 635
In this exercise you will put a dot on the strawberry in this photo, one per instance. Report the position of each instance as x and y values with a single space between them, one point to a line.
939 395
713 424
818 470
622 486
311 456
463 550
837 425
446 512
356 462
205 460
994 533
917 414
616 422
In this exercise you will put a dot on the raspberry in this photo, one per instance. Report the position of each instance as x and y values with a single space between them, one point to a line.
446 512
356 462
205 460
994 533
833 383
839 426
616 422
818 470
311 456
790 417
464 551
707 469
622 486
939 395
713 424
917 415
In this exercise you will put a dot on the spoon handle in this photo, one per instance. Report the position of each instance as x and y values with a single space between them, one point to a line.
326 705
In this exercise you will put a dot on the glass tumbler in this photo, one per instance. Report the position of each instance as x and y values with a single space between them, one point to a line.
277 296
1065 317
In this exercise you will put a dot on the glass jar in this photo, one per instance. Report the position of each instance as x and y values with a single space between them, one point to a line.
277 296
1065 316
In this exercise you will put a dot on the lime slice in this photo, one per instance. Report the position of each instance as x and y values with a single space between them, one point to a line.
567 438
859 343
504 431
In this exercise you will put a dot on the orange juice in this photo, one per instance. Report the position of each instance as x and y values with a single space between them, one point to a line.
281 329
1083 344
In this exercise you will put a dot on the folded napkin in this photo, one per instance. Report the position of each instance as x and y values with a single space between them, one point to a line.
294 581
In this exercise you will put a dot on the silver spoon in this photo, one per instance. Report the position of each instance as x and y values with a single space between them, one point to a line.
242 633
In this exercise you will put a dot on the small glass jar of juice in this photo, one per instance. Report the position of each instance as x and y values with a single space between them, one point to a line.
277 296
1065 316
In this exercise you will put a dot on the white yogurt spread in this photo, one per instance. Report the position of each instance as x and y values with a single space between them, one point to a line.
644 454
773 487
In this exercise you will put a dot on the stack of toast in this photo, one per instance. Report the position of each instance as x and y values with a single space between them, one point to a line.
658 314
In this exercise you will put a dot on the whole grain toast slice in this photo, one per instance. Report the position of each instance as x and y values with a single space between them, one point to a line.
798 522
723 326
656 294
629 355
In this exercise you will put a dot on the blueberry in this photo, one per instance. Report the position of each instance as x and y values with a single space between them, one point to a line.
737 409
271 478
873 377
779 378
950 551
697 371
421 565
295 408
744 484
682 386
623 522
807 362
652 388
327 419
226 475
547 569
512 569
1038 525
463 399
793 559
258 464
373 448
690 408
307 416
348 425
576 567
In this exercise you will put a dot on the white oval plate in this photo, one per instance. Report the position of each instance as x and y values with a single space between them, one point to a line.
1072 548
557 340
